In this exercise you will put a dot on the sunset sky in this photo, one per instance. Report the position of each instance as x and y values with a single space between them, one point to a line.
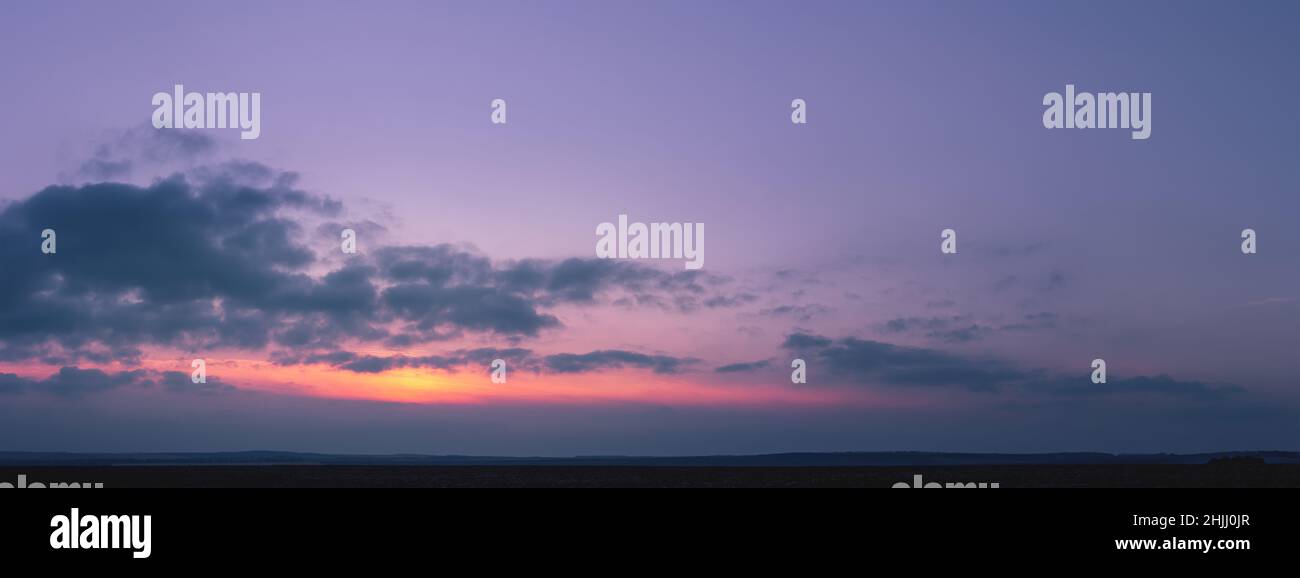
477 241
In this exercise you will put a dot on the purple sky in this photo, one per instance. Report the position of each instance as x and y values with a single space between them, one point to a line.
922 116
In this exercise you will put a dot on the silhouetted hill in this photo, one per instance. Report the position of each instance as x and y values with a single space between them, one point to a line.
844 459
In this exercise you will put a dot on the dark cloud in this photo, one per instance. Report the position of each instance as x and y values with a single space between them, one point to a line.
961 329
723 301
613 359
429 309
745 366
377 364
328 358
861 361
800 312
167 263
852 360
77 382
516 358
221 257
801 341
72 382
1158 385
582 280
953 329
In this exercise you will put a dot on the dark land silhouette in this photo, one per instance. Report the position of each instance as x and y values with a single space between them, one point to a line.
841 470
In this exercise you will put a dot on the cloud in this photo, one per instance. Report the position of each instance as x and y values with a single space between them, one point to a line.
165 263
863 361
961 329
228 256
72 382
954 329
117 156
614 359
798 341
800 312
745 366
1159 384
852 360
519 359
380 364
737 300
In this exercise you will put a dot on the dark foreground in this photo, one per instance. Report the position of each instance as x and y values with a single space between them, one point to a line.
359 476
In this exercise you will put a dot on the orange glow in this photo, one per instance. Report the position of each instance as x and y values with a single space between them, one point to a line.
418 385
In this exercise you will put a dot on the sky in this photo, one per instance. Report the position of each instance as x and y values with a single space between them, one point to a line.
476 240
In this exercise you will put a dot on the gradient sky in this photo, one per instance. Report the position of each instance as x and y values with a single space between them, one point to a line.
822 239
